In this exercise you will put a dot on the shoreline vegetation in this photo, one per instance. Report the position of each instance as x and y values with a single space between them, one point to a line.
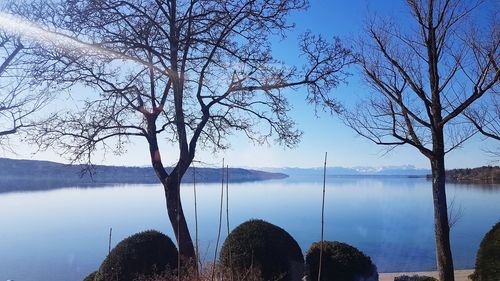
482 175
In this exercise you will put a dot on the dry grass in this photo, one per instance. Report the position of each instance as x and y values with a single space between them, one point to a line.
205 274
225 274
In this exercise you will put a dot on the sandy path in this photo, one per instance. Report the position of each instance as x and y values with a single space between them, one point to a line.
460 275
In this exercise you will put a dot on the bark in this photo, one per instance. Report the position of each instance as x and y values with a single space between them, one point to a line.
171 186
444 257
441 226
418 76
178 220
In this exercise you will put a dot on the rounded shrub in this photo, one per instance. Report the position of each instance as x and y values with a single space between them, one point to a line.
488 257
341 262
264 248
143 254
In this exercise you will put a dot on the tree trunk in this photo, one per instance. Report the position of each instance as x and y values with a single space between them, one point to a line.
441 225
178 220
171 185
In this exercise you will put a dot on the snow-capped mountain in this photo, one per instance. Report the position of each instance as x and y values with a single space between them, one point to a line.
406 170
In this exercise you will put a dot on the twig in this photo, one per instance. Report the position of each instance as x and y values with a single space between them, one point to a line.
178 227
227 199
109 243
227 221
322 220
454 213
196 225
220 220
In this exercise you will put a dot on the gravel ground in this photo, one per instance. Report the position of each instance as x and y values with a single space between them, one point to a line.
460 275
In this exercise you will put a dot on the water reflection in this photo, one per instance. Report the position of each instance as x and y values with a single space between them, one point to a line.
483 187
62 234
29 185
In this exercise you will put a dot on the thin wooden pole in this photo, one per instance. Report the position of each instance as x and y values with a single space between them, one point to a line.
227 222
322 220
178 227
227 199
109 243
220 220
196 225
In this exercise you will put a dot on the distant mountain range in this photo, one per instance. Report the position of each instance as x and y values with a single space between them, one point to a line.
486 174
407 170
42 175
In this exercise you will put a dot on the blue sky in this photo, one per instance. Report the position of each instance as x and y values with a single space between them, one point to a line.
322 132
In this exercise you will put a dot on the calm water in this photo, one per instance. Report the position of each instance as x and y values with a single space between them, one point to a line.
62 235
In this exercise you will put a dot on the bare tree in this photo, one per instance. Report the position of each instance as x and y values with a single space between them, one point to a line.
18 98
434 83
192 72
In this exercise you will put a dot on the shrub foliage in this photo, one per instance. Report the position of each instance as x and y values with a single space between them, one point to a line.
341 262
91 276
145 253
259 246
488 257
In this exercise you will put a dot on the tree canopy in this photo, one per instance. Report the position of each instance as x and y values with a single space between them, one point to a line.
192 72
19 98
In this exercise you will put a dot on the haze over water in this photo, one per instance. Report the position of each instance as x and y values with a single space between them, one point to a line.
62 234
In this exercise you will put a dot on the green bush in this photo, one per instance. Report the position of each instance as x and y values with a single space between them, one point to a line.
91 276
488 257
264 248
145 253
341 262
414 278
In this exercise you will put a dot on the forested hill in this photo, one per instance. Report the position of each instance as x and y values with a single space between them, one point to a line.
35 175
485 174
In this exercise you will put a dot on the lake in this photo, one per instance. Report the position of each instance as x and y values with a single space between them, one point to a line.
62 234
